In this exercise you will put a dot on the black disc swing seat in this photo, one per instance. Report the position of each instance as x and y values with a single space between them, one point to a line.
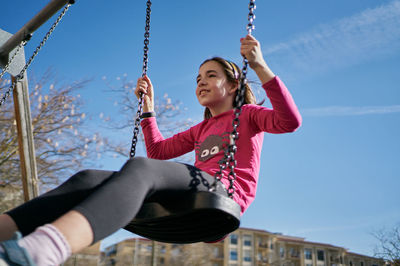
202 216
188 218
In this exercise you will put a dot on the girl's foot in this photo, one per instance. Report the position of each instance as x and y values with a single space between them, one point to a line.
13 254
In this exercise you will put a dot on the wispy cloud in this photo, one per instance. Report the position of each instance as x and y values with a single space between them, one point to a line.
348 41
350 111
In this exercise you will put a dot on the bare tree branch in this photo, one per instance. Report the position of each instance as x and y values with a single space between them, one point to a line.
388 247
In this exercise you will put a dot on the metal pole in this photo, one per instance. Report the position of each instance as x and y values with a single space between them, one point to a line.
135 256
153 253
31 26
25 139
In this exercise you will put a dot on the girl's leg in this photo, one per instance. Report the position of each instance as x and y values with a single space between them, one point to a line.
50 244
51 205
117 200
76 230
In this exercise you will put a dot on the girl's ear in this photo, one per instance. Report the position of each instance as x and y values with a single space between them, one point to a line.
235 87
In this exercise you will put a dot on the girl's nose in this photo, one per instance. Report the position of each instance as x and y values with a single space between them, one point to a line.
202 82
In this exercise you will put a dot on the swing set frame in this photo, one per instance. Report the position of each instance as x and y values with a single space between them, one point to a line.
12 59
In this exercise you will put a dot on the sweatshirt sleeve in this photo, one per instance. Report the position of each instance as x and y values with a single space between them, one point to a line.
163 149
284 116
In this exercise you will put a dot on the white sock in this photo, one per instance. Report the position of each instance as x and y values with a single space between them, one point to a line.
47 246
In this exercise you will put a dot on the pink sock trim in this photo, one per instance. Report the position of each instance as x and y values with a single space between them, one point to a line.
60 240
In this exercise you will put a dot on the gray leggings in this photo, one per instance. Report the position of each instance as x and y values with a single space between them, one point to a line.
110 200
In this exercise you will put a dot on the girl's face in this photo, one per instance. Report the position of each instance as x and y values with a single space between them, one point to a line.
213 89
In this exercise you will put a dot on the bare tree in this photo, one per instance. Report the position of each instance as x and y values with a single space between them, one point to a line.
62 139
388 247
63 143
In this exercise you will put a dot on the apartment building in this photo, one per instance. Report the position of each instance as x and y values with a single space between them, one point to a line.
124 253
89 256
244 247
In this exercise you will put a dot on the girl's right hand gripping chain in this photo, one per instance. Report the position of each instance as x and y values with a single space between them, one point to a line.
144 86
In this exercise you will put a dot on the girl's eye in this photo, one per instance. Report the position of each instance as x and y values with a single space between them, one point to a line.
208 76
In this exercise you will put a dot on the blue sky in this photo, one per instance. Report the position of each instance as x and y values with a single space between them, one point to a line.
333 181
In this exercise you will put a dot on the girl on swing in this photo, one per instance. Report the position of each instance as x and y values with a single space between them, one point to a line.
81 212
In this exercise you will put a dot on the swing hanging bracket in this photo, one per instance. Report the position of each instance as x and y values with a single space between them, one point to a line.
14 61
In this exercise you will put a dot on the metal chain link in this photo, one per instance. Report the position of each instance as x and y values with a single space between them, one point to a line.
38 48
7 93
12 87
146 39
229 161
144 72
12 59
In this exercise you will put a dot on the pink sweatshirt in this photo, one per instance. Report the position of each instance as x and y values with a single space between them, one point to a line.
210 137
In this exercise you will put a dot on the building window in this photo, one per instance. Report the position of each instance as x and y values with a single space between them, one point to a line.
308 254
294 253
262 243
247 239
362 263
234 239
163 249
218 253
282 252
233 255
320 255
247 256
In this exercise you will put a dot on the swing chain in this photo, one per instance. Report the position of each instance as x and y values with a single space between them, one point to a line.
229 156
7 93
12 87
38 48
12 59
146 39
144 72
251 17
